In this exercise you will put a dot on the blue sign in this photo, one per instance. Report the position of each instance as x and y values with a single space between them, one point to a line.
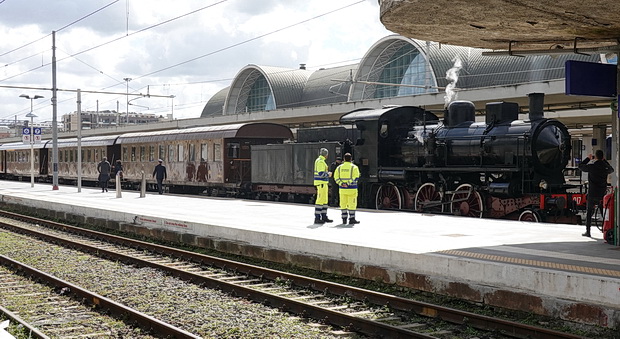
26 131
589 78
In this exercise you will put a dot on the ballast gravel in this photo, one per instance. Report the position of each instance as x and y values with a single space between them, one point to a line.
204 312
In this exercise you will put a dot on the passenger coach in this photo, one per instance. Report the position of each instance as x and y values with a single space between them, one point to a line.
213 160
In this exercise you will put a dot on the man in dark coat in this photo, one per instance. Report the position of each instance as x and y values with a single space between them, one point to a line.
160 174
333 187
104 169
597 184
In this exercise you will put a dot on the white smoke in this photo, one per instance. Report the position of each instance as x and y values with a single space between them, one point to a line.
419 135
452 75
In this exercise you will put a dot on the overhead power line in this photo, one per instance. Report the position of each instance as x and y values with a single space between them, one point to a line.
58 30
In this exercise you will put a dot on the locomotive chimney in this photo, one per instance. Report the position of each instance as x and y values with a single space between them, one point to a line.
537 102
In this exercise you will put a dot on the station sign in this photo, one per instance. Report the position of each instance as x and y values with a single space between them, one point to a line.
36 135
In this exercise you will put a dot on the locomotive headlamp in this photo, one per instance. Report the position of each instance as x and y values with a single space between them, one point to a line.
543 184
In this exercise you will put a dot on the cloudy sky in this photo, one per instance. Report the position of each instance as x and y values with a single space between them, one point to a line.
186 48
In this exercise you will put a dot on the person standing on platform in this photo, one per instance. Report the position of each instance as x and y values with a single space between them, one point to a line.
104 169
333 187
321 182
118 169
346 176
160 174
597 184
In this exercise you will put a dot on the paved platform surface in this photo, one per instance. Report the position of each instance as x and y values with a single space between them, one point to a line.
549 260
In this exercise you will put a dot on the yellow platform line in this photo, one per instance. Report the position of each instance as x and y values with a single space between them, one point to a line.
536 263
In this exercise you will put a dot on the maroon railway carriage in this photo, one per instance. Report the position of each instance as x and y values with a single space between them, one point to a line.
213 160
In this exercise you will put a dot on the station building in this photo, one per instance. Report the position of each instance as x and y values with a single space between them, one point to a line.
397 70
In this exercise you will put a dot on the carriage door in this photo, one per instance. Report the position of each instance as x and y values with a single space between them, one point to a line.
231 162
237 162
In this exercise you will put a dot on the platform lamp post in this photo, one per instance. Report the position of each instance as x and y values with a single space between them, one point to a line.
31 116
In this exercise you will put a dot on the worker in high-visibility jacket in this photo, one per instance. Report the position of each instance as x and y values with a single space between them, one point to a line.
321 182
346 176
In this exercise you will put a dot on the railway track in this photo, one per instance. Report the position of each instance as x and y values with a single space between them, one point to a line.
351 309
53 314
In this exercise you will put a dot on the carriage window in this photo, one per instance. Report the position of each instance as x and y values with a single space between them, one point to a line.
142 153
125 154
88 156
66 156
383 132
171 153
151 153
217 150
233 150
83 155
133 153
192 152
181 153
71 156
162 152
204 152
97 158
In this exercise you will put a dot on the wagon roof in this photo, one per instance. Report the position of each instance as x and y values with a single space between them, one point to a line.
18 145
242 130
94 141
370 114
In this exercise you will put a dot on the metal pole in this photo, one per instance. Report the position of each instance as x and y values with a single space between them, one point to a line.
79 141
54 117
616 154
127 97
31 146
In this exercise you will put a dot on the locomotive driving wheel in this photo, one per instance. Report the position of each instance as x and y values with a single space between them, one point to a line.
388 197
466 201
530 216
428 199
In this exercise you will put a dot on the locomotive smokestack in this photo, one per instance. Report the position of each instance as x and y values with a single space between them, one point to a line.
537 102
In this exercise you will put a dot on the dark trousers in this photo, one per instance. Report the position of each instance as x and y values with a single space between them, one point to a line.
104 185
590 205
160 185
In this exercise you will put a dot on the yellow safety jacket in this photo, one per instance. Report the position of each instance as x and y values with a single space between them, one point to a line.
321 171
347 175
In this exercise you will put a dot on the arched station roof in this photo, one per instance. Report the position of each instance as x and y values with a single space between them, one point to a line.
263 88
414 66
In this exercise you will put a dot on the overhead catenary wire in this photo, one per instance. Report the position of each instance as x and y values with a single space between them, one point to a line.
196 58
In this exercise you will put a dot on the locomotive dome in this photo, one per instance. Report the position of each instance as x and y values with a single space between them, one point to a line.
419 67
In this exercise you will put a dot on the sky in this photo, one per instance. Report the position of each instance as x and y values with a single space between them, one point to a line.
189 49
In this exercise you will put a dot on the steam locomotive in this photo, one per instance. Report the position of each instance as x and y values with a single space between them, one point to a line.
411 160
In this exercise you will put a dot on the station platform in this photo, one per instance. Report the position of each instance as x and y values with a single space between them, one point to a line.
547 269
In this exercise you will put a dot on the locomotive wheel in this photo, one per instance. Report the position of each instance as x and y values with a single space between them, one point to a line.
466 201
427 193
530 216
388 197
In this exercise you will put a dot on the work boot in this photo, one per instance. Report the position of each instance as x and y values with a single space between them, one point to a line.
325 218
352 221
587 234
318 221
344 221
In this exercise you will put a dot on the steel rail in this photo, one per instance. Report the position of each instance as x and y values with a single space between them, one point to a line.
28 328
397 303
161 328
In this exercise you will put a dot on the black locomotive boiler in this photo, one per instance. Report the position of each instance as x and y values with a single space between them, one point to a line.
501 168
